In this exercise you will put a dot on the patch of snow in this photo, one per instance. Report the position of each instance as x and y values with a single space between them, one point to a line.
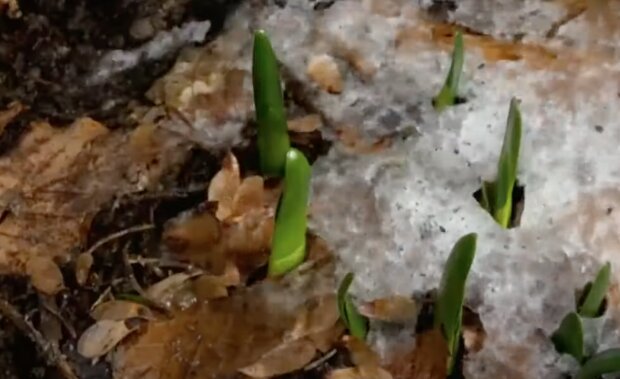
163 43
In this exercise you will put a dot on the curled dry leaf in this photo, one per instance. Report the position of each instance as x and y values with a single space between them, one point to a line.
398 309
209 287
175 290
119 310
192 231
103 336
429 359
45 275
324 71
285 358
249 196
142 142
305 124
325 340
319 315
224 185
83 263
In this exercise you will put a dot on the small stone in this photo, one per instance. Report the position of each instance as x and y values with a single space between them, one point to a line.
324 71
142 29
599 128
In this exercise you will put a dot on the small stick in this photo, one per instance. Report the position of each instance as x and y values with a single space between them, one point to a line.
52 353
117 235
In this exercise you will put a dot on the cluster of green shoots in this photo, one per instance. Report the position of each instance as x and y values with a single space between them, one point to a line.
279 159
496 195
448 310
569 337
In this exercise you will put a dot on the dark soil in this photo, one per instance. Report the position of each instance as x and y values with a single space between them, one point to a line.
48 54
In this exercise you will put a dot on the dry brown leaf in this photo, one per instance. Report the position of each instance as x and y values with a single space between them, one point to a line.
224 186
83 263
324 71
355 143
305 124
102 337
209 287
175 290
216 338
249 196
45 275
143 143
319 315
192 231
398 309
119 310
428 360
285 358
325 340
11 7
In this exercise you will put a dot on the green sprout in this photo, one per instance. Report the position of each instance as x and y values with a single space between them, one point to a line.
288 248
273 140
449 92
568 339
352 319
497 196
595 293
605 362
450 298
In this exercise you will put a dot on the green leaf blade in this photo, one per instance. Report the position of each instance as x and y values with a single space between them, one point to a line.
451 294
596 295
449 92
606 362
507 166
288 248
273 140
352 319
568 338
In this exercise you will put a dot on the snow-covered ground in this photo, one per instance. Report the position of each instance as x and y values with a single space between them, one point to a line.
393 214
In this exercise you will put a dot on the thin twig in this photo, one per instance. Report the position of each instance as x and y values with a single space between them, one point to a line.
117 235
138 288
51 352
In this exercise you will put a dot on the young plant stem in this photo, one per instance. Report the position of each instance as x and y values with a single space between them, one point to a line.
507 166
449 92
451 295
273 139
352 319
288 248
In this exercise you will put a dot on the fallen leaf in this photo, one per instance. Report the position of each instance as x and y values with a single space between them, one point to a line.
224 185
217 338
249 196
102 337
11 7
319 315
11 112
175 290
55 180
285 358
144 145
45 275
325 340
208 287
429 359
324 71
397 309
192 231
305 124
119 310
83 263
